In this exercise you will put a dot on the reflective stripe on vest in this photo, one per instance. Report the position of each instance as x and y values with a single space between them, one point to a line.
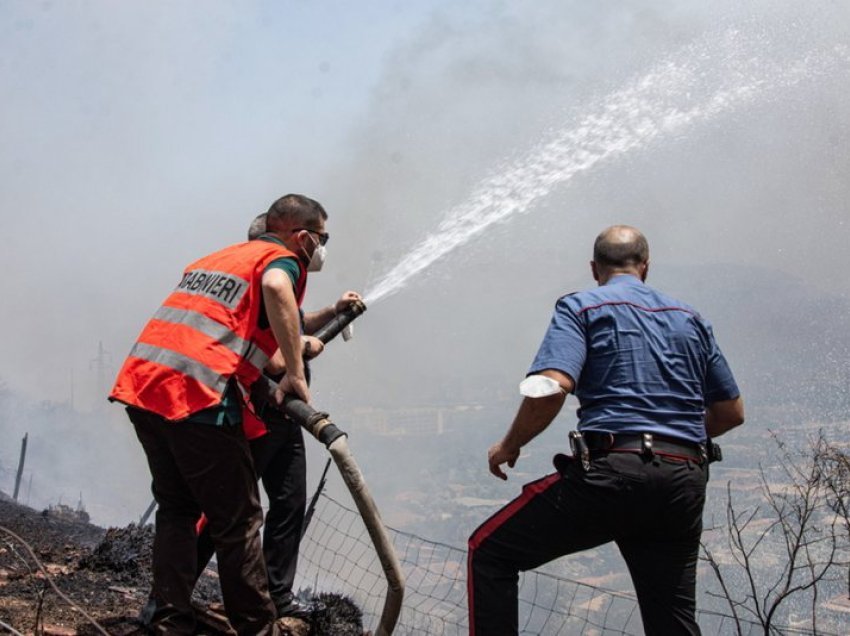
184 364
256 357
207 326
249 351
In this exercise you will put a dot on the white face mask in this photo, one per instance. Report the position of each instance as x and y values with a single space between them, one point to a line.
318 259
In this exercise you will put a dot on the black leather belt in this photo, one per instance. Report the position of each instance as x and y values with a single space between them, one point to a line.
644 443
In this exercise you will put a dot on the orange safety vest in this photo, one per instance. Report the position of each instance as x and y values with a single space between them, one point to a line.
205 333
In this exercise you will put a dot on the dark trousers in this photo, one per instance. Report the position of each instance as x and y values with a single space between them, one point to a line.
196 469
281 462
651 508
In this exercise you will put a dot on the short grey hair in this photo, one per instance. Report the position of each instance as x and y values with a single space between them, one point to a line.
257 227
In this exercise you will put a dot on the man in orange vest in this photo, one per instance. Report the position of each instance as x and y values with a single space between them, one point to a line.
228 314
280 461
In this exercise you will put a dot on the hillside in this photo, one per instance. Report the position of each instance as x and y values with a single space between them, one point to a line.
60 547
104 576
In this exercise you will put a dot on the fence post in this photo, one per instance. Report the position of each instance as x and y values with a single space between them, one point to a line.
20 467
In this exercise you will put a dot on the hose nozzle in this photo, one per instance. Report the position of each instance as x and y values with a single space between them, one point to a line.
339 322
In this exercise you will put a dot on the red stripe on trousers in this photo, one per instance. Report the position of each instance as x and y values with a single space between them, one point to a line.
488 527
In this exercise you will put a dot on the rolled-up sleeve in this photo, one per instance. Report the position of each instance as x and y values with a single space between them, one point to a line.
720 384
564 347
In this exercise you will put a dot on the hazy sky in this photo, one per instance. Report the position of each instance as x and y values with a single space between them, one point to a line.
138 136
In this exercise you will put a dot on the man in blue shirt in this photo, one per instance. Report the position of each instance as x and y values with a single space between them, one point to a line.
653 388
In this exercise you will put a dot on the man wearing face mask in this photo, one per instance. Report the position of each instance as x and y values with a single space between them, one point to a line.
277 443
228 315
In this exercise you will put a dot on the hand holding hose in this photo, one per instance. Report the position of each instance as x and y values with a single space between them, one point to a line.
311 347
294 384
348 298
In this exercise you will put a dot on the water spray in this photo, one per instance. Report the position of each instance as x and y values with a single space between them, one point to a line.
708 79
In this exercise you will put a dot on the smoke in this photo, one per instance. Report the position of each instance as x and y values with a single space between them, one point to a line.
713 77
759 188
139 137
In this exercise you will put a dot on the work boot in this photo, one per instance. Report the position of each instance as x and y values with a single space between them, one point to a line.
292 606
145 617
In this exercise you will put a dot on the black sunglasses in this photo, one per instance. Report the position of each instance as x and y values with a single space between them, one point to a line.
323 236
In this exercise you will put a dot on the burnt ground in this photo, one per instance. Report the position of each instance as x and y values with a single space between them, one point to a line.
27 602
105 573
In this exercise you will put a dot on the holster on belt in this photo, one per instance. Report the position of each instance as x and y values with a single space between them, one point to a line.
579 449
713 452
580 453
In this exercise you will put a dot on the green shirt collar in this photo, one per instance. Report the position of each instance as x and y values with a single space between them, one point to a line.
271 238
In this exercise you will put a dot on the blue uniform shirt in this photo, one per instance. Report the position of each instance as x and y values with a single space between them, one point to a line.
642 362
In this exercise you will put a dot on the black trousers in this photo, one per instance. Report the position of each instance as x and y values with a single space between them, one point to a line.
280 461
652 509
202 468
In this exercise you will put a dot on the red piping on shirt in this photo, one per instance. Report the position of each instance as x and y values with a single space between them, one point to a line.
631 304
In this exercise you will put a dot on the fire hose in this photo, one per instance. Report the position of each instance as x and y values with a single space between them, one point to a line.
320 426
